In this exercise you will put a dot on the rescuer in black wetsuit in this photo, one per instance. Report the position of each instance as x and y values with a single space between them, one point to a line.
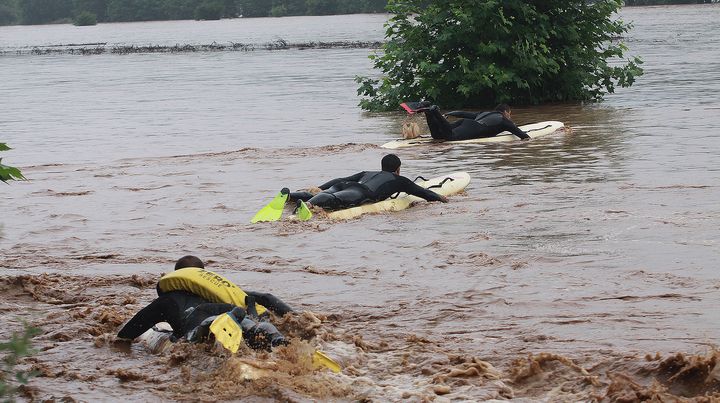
471 125
366 187
185 311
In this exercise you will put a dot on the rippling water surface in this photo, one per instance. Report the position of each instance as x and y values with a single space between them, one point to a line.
568 261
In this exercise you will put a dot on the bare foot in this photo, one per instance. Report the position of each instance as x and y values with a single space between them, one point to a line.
410 130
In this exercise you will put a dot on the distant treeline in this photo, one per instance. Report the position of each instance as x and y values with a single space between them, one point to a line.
662 2
53 11
50 11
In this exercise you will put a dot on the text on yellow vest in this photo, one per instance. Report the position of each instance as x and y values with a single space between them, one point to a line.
211 286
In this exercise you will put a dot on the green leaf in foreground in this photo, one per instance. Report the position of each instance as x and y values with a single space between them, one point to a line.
8 173
19 345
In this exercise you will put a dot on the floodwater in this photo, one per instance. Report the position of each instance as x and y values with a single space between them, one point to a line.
582 266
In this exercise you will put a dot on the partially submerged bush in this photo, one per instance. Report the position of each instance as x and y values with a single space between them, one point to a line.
469 53
85 18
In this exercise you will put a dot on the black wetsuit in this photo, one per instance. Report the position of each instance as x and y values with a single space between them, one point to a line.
364 187
470 126
184 311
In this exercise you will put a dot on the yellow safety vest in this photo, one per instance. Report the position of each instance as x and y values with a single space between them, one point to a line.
211 286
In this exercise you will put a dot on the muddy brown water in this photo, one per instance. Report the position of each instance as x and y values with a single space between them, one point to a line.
578 267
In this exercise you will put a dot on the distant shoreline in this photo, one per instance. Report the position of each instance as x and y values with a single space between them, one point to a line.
102 47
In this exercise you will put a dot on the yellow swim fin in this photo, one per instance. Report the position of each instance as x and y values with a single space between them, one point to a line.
273 210
303 212
321 359
227 331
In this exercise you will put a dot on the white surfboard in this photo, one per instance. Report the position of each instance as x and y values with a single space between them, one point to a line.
446 185
533 130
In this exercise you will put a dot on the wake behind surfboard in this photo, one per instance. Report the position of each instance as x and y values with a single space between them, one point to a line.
533 130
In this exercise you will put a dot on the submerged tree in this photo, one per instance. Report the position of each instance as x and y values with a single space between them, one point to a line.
477 53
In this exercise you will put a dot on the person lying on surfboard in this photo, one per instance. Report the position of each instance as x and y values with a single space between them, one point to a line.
365 187
471 125
187 312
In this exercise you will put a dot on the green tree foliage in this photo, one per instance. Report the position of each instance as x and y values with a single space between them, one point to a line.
321 7
282 8
85 18
8 173
659 2
19 346
255 8
471 53
209 10
137 10
95 7
8 12
44 11
362 6
231 8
